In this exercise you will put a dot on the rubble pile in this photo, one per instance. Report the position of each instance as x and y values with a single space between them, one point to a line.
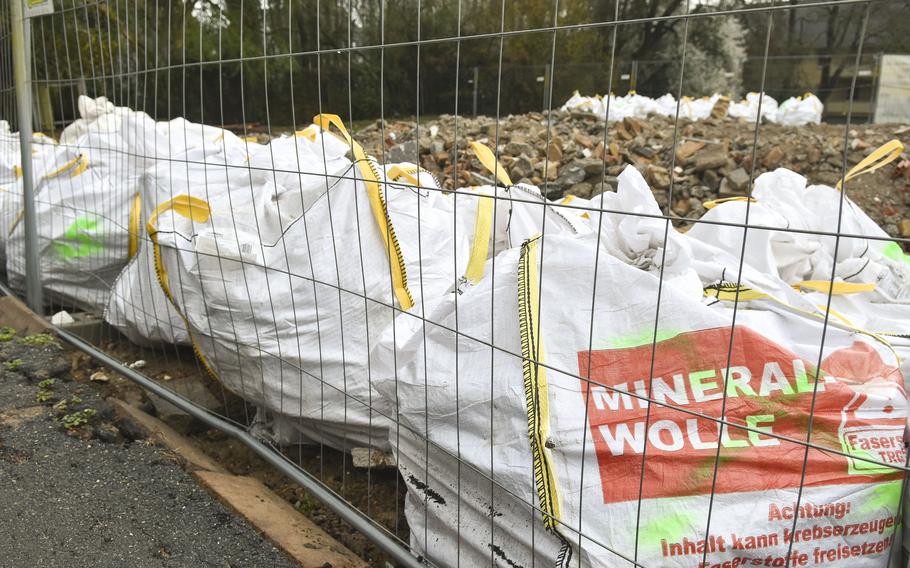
568 153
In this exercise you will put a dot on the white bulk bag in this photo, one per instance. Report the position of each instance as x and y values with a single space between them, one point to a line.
632 228
641 105
138 306
665 105
83 225
308 151
619 107
522 414
697 109
284 307
520 210
578 102
871 275
121 142
47 159
98 113
799 111
748 108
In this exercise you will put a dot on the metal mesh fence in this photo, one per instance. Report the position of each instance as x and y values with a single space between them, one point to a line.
489 368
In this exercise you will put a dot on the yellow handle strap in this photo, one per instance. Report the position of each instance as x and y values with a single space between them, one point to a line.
309 133
250 139
186 206
884 154
79 161
835 313
488 159
537 397
192 208
135 211
715 202
836 288
727 291
397 172
569 199
77 164
379 208
480 245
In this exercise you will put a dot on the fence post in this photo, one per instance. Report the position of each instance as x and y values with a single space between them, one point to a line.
476 78
546 87
24 105
873 96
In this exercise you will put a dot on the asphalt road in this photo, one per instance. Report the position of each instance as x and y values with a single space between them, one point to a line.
96 498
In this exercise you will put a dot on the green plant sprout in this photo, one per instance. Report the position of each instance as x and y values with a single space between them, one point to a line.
78 418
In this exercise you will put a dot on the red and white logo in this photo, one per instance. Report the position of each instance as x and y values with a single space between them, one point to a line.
860 409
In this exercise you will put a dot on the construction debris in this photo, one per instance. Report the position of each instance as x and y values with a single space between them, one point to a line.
582 153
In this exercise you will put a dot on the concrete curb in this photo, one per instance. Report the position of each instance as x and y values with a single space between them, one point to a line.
282 524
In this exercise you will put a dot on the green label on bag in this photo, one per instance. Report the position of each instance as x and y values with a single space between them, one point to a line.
80 239
894 251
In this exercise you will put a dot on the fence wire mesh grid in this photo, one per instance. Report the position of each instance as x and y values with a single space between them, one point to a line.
585 334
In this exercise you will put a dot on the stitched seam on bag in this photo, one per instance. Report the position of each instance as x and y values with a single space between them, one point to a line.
535 384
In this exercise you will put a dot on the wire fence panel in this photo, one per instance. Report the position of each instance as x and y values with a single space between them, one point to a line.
522 284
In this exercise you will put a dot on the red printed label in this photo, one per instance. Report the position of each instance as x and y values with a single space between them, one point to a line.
860 409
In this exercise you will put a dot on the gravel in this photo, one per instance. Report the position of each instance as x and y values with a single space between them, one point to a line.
92 497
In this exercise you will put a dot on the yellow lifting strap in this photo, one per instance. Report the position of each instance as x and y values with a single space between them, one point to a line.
537 397
191 208
729 291
489 161
78 165
309 133
186 206
480 244
836 288
884 154
379 208
398 172
715 202
135 211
